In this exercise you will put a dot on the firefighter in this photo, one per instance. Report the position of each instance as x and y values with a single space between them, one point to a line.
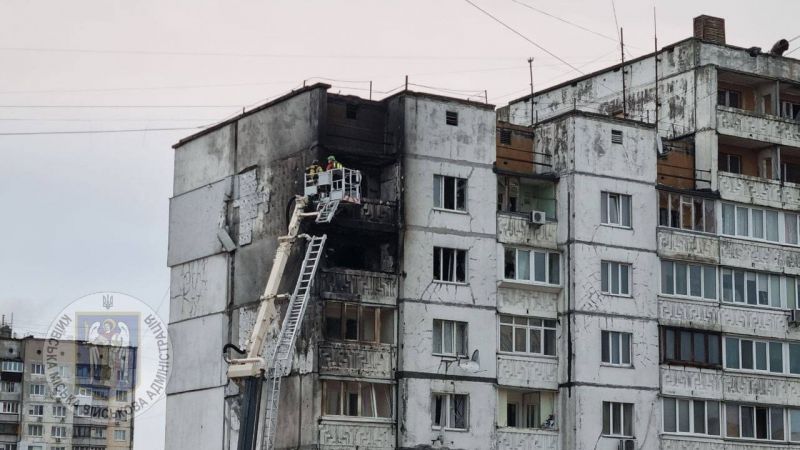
333 163
314 168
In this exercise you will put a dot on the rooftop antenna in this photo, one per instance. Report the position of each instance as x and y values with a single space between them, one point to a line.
530 69
655 62
622 52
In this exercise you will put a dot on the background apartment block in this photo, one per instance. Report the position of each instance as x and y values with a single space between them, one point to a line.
34 419
580 273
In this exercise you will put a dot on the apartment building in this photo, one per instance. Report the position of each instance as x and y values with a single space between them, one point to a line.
586 268
34 418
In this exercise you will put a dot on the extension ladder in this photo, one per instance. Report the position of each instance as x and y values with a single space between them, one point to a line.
326 211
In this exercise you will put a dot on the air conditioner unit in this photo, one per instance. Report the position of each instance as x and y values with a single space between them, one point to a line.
794 317
626 444
538 217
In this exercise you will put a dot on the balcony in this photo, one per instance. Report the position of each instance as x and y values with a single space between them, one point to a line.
516 228
358 286
341 435
730 386
527 371
757 126
759 256
674 243
361 360
375 215
520 439
758 191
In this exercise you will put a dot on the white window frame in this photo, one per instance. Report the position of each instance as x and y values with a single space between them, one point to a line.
532 266
707 206
37 369
37 390
455 261
459 329
12 366
439 183
59 411
752 213
58 431
767 345
530 324
606 272
675 266
608 409
36 410
690 404
9 407
35 430
447 404
326 387
120 435
783 288
607 339
9 387
739 406
606 206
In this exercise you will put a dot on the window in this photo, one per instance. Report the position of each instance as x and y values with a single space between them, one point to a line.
449 338
120 435
9 407
451 118
81 431
357 399
754 422
8 446
8 428
449 193
730 98
794 359
505 136
523 195
790 110
449 265
616 136
11 366
615 278
9 386
750 222
122 396
35 430
531 266
526 409
691 347
354 322
616 348
450 411
754 288
749 354
36 389
730 163
689 280
98 432
686 212
351 111
58 431
527 335
691 416
615 209
36 410
37 369
59 411
794 425
618 419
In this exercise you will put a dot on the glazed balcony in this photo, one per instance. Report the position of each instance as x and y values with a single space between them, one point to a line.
357 359
524 439
357 286
345 434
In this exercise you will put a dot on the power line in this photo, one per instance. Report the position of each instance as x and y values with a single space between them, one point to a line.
130 130
605 36
523 36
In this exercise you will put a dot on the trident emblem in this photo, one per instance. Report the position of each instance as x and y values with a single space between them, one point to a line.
108 301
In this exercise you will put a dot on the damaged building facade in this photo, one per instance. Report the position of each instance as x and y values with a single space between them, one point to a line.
597 270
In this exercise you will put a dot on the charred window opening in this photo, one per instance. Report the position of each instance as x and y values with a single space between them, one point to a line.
505 136
451 118
616 136
351 111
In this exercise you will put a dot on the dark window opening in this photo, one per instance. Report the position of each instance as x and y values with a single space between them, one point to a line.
451 118
505 137
616 136
351 111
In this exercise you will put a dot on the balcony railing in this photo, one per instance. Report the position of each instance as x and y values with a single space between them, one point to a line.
761 127
529 372
729 386
521 439
674 243
341 435
759 191
358 285
351 359
370 213
516 228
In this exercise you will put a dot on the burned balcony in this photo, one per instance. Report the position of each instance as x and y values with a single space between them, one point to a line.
375 215
516 151
676 167
358 285
359 269
357 127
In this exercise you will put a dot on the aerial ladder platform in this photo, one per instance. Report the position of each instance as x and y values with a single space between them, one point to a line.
325 191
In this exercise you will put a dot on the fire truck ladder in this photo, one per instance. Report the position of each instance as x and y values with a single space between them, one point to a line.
326 211
282 355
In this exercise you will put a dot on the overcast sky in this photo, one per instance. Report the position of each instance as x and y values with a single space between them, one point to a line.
88 212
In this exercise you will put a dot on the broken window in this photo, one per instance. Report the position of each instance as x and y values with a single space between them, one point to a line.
615 209
687 212
451 118
449 338
618 419
730 163
523 195
449 265
449 193
691 416
730 98
357 399
450 411
531 265
616 348
526 409
528 335
689 347
356 322
615 278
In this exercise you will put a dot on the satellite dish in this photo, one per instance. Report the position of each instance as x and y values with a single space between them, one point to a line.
472 364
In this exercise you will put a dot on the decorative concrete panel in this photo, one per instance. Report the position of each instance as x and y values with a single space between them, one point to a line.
508 439
357 360
527 301
676 244
691 382
358 285
195 218
676 443
529 372
729 319
349 435
517 229
761 127
199 287
758 191
761 389
759 256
